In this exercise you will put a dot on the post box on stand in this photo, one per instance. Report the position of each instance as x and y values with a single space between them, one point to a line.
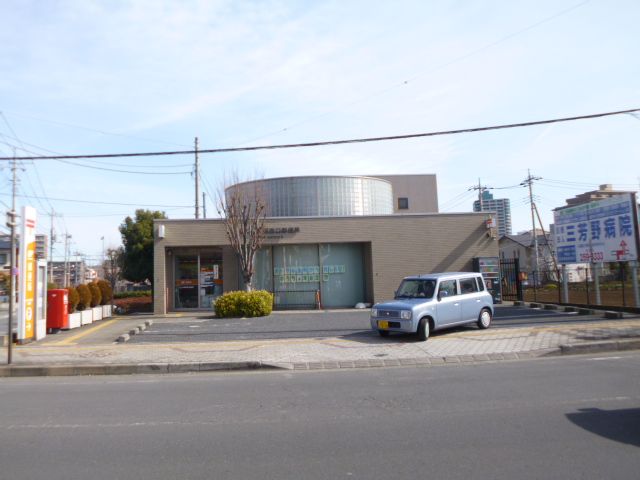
58 309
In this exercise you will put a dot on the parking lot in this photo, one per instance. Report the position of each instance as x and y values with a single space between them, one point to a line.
318 324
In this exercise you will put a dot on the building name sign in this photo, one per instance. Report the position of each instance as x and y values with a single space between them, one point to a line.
281 230
599 231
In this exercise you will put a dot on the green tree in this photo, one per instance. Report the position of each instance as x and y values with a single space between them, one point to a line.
137 238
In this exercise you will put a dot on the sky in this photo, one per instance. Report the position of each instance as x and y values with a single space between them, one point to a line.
91 77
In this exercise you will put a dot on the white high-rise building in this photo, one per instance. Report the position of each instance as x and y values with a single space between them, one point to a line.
500 205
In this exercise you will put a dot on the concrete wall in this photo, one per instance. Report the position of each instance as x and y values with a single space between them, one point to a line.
400 245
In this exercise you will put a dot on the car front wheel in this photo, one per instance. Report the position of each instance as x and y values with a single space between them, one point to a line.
423 329
484 319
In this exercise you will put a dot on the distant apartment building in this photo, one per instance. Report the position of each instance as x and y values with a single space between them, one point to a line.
68 273
42 243
501 206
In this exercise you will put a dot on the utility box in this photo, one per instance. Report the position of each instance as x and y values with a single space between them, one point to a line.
58 309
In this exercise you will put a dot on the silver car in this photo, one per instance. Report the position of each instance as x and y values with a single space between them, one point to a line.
424 303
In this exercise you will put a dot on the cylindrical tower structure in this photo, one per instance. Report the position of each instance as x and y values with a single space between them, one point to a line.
320 196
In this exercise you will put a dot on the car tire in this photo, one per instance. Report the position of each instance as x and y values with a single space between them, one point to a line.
423 329
383 333
484 319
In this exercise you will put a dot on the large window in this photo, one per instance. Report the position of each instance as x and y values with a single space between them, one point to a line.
301 275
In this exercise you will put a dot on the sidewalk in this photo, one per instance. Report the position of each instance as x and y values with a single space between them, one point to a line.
458 346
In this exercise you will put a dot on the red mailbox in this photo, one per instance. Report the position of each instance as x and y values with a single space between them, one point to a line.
58 309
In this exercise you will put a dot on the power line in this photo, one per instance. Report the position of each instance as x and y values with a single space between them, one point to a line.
102 132
23 143
103 203
121 171
91 166
334 142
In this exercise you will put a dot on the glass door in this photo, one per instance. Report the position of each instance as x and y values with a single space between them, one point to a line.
210 279
186 291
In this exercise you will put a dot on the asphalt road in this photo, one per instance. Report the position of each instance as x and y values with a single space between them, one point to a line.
569 418
353 323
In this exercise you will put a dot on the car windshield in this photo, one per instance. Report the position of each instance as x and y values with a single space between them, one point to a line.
416 288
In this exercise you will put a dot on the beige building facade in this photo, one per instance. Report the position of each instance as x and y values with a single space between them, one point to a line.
308 262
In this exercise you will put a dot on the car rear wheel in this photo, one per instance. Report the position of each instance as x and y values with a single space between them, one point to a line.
423 329
484 319
383 333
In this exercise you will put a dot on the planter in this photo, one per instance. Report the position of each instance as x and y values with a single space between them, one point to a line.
106 311
86 317
97 313
75 320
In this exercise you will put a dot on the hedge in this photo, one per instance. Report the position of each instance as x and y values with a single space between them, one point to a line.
106 291
73 298
85 297
96 294
134 294
256 303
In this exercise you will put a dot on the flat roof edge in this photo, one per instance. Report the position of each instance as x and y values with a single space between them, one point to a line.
345 217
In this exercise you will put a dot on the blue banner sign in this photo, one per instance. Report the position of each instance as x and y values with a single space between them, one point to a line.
599 231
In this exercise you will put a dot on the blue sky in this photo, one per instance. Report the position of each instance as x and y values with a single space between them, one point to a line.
125 76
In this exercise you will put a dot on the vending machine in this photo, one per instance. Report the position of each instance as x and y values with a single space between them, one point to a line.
489 267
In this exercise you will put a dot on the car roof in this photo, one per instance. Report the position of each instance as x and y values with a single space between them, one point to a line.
435 276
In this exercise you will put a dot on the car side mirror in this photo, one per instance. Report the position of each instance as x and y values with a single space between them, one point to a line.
442 294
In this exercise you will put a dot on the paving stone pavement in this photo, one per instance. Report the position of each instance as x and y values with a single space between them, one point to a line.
330 353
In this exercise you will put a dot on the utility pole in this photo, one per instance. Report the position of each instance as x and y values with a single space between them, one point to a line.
197 175
11 222
52 240
204 205
528 182
481 189
66 274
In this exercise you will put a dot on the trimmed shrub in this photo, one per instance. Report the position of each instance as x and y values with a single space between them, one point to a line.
106 291
135 294
257 303
96 294
74 299
85 297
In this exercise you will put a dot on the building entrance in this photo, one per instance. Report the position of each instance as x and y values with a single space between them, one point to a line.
198 279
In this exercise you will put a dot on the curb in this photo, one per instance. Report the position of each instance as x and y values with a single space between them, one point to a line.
602 346
167 368
129 369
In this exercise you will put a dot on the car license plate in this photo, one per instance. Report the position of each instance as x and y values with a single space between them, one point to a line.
383 324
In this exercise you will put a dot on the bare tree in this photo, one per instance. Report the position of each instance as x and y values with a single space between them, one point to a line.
113 266
243 208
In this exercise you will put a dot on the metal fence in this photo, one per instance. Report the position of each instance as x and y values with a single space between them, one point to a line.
610 285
